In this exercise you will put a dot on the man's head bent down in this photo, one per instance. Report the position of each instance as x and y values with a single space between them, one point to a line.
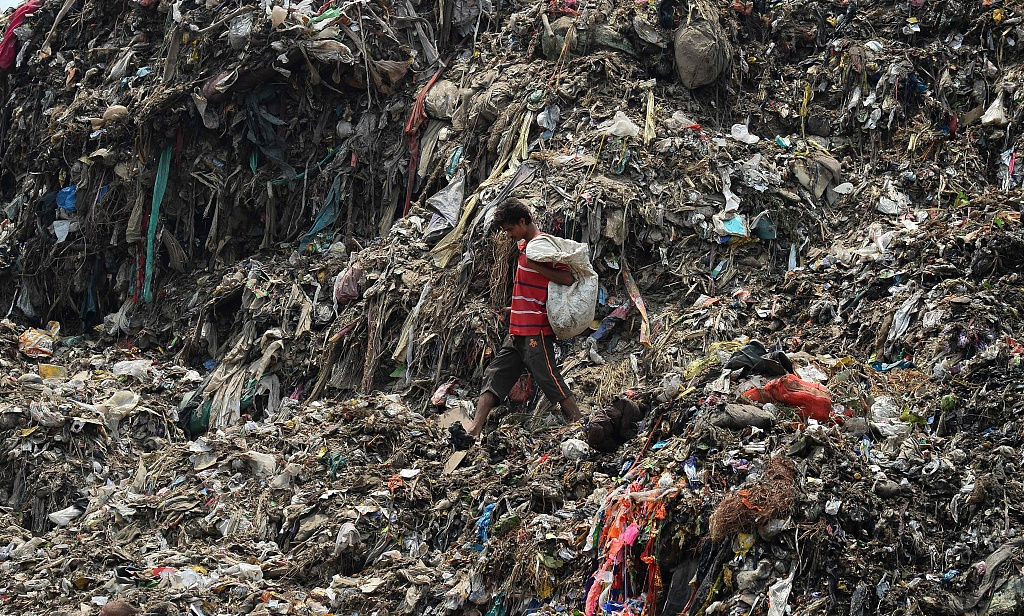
513 216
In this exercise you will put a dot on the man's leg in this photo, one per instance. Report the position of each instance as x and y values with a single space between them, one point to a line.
540 361
499 377
485 403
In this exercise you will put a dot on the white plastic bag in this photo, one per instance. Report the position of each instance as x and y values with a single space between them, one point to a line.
348 536
262 464
135 368
995 115
620 126
575 449
570 307
64 517
741 133
117 407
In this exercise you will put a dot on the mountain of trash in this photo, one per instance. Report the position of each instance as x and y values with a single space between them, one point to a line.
250 281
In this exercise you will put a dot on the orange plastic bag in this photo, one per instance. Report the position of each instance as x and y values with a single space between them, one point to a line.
811 399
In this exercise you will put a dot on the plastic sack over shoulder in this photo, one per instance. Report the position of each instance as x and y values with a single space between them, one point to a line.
570 307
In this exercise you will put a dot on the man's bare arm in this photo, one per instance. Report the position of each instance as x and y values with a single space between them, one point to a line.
552 274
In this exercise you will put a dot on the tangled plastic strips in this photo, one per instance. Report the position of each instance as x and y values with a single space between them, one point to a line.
770 498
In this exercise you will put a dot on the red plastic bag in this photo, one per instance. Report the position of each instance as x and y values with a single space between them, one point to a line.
9 43
811 399
441 394
347 284
521 390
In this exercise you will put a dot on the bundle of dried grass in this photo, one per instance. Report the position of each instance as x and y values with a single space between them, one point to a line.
498 275
613 376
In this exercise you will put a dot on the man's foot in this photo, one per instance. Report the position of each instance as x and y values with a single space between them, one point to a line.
460 439
570 410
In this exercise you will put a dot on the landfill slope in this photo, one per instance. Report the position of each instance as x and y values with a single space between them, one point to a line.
251 281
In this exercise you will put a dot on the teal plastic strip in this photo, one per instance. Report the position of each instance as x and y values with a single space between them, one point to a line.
163 169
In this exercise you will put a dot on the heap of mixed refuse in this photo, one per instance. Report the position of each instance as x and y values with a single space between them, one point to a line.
250 283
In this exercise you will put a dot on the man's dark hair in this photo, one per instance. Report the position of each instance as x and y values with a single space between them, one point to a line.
511 211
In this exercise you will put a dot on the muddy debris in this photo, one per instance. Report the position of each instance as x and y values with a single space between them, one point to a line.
251 287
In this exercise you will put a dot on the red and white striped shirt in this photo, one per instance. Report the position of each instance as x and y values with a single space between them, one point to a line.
529 316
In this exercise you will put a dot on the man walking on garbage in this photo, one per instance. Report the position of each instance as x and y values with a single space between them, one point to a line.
531 341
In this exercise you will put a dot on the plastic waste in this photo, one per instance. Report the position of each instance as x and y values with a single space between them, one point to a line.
441 100
732 200
548 118
114 113
741 133
902 318
135 368
347 284
245 571
64 516
446 204
680 121
812 400
570 307
119 607
263 464
283 480
575 449
702 50
239 29
347 537
671 384
441 394
117 407
690 468
811 373
50 371
995 114
484 523
779 593
37 342
740 416
833 506
948 402
66 198
41 414
277 16
620 126
729 224
885 408
942 369
591 346
329 50
63 228
520 391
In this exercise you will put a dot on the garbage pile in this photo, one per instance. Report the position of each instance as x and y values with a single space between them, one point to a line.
122 120
252 282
